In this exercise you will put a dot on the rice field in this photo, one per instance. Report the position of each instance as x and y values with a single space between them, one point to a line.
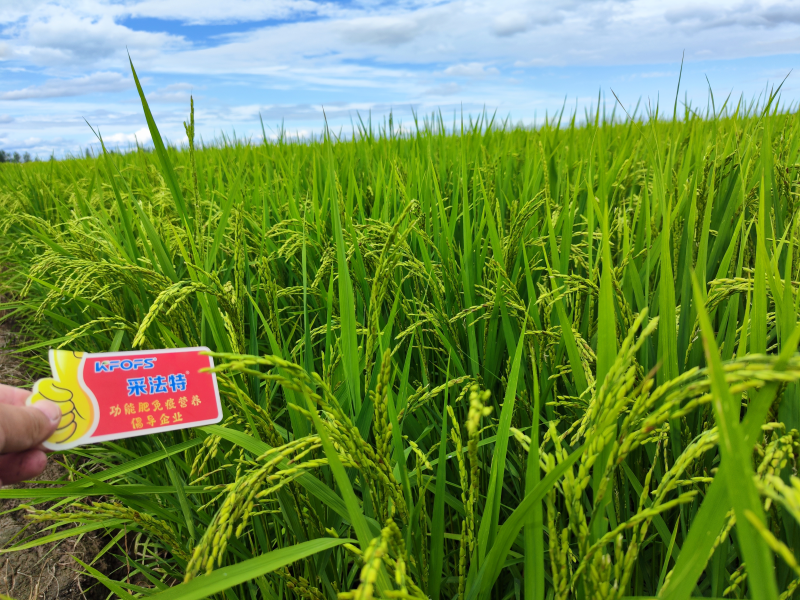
467 361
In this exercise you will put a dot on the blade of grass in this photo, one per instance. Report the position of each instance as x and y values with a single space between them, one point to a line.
437 519
227 577
534 529
489 523
606 355
507 534
667 556
741 489
177 481
355 514
166 165
64 534
347 314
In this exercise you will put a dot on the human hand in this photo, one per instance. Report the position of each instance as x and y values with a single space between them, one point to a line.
22 430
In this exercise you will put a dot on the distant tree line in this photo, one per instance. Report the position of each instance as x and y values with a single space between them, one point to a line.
14 158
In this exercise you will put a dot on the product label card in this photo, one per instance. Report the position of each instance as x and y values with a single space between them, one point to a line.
113 395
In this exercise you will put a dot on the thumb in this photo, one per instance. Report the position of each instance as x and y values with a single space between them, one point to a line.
24 427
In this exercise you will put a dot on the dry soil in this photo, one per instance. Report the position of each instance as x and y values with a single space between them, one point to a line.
49 571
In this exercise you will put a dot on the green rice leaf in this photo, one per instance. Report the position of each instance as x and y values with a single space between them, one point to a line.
229 576
739 477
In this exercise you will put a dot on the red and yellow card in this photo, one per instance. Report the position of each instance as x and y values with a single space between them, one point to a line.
113 395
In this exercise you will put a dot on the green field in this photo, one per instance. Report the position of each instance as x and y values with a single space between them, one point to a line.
469 361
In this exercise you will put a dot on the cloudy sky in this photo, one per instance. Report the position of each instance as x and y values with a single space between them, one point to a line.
63 61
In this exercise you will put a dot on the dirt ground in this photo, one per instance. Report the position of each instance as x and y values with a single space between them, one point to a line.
49 571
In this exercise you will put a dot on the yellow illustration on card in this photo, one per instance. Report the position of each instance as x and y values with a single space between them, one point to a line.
77 409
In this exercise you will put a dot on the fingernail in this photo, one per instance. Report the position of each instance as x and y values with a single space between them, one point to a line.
50 410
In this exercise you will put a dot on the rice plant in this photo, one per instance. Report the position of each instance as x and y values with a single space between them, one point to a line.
470 361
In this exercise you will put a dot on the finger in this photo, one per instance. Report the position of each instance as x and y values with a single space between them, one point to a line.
13 395
21 466
24 427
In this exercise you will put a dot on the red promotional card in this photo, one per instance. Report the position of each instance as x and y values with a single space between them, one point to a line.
113 395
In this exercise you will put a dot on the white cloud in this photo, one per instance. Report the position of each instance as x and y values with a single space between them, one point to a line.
383 31
446 89
296 133
326 43
473 69
173 93
779 14
6 119
56 36
189 11
510 23
753 15
213 11
142 135
13 11
423 53
534 62
96 83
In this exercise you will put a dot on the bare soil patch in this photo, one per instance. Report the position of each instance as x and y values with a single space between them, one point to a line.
48 571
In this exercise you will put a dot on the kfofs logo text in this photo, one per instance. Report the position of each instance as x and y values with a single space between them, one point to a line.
127 364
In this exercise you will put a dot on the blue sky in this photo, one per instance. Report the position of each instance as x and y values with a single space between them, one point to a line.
65 61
